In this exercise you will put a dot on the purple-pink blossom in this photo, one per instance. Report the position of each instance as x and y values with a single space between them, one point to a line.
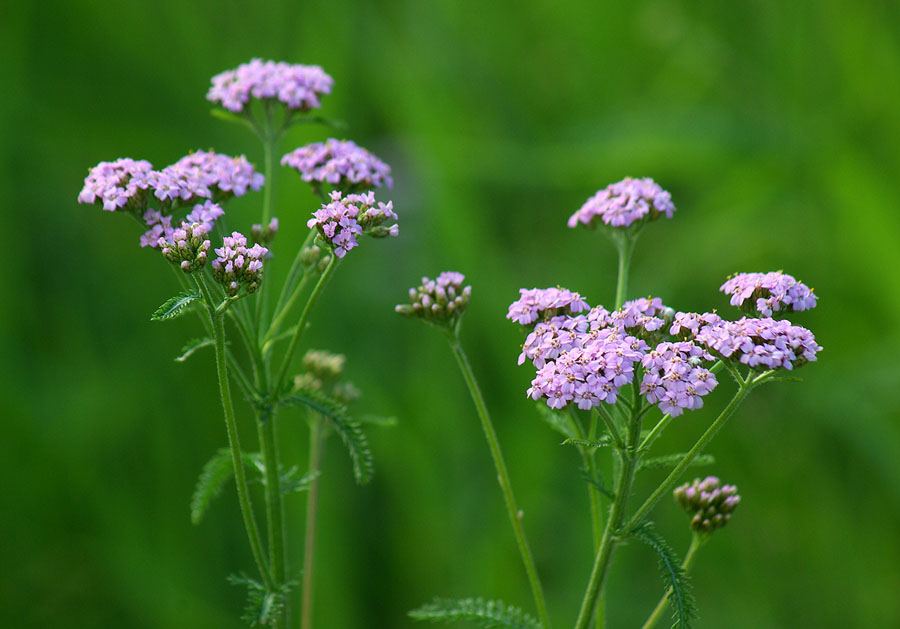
118 185
545 303
187 246
346 217
298 87
624 203
768 293
675 378
760 343
205 175
441 300
342 164
237 265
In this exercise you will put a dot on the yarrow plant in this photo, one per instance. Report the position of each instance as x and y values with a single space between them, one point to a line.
224 276
612 380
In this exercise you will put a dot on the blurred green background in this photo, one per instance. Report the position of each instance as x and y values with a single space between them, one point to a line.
774 125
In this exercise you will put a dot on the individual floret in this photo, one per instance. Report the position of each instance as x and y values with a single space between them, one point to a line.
708 502
344 218
188 247
624 203
768 293
675 378
441 300
760 343
545 303
297 87
238 266
342 164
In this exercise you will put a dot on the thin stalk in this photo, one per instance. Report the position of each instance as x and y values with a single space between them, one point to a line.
236 459
611 427
630 457
316 440
625 246
698 447
310 303
596 517
295 269
274 507
515 516
696 542
281 314
270 146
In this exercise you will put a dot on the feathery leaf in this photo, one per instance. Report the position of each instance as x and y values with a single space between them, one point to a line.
671 460
264 607
346 427
174 306
216 473
485 614
679 590
602 442
192 346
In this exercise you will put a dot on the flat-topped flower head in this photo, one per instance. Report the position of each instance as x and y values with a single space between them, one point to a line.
204 175
187 247
119 185
440 301
545 303
625 203
341 164
590 373
760 343
297 87
768 293
344 218
687 324
675 377
642 317
708 502
238 266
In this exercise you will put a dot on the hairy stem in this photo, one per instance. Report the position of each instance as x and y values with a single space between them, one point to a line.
316 440
274 507
515 516
625 246
696 542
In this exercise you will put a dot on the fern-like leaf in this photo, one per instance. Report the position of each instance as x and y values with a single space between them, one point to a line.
291 480
671 460
346 427
485 614
555 420
680 597
216 473
264 607
597 481
192 346
602 442
175 306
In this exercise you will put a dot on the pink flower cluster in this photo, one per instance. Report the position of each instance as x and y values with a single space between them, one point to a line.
342 164
345 218
296 86
760 343
624 203
544 303
116 184
767 293
675 378
237 265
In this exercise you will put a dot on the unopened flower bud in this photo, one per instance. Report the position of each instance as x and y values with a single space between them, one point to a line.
238 265
187 248
264 235
441 300
709 503
310 256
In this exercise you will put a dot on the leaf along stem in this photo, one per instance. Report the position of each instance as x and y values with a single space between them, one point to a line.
696 542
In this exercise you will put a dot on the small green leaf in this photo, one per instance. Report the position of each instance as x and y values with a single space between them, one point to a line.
377 420
216 473
175 306
290 482
602 442
322 120
671 460
264 607
192 346
597 481
555 420
346 427
227 116
485 614
677 586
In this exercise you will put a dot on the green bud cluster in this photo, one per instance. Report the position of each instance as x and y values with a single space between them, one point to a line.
439 301
709 503
188 249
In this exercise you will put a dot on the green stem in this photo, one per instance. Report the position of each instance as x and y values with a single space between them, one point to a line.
625 246
611 427
596 517
274 507
270 146
515 516
236 459
291 279
316 440
630 457
696 542
281 314
698 447
279 382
